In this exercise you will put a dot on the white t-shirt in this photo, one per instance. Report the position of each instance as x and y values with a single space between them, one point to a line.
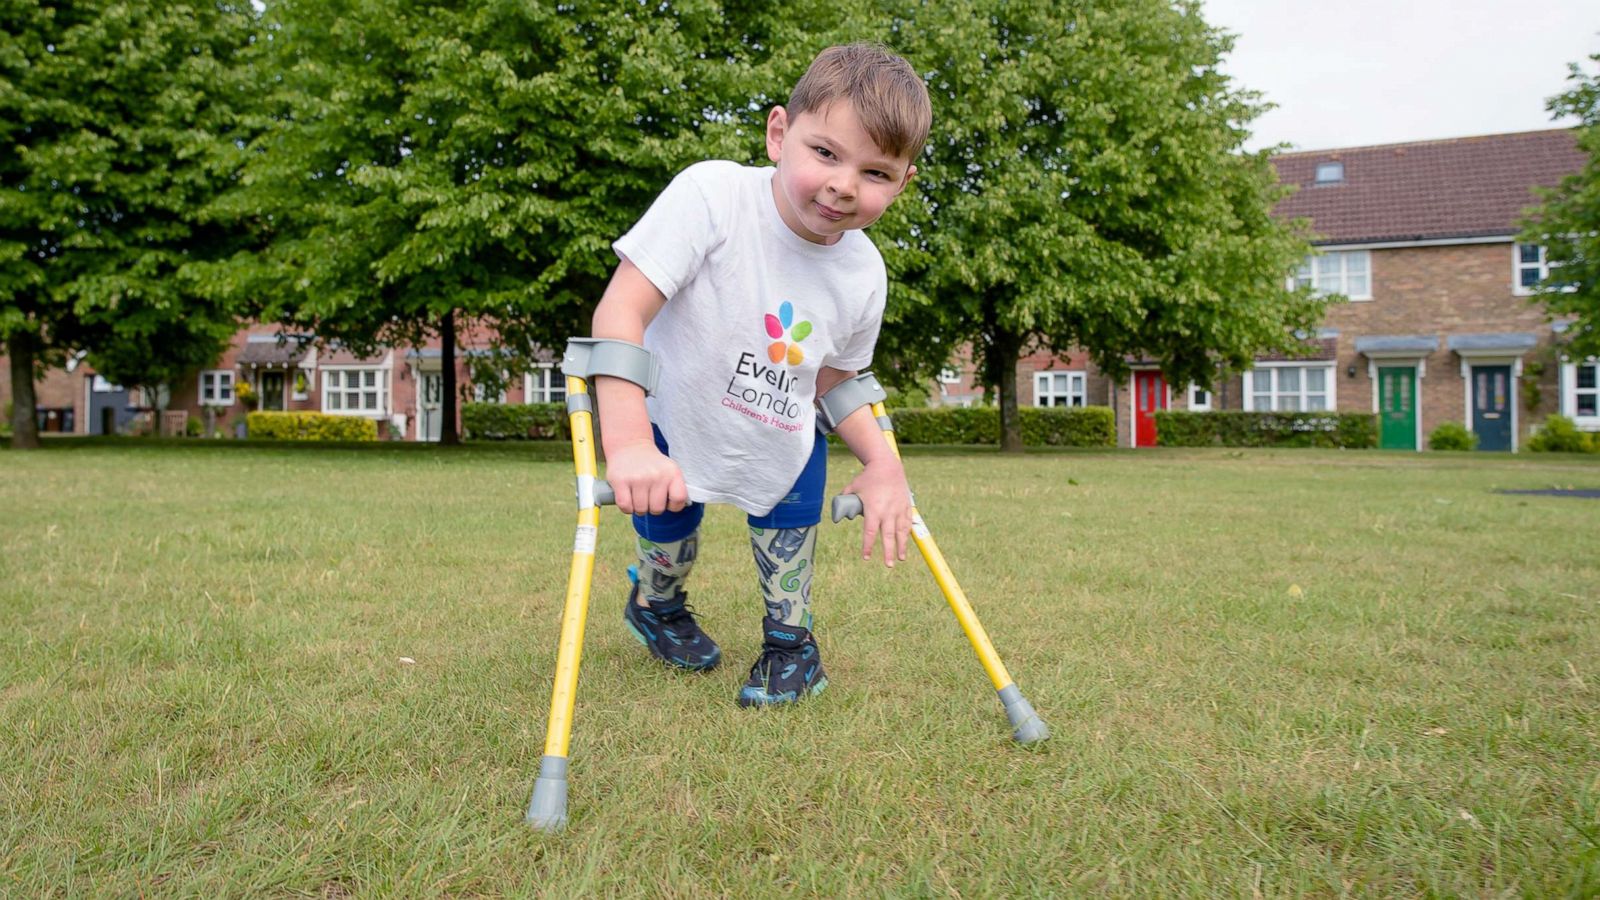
753 312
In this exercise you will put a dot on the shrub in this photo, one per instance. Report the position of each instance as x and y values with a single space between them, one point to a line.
1230 428
1084 426
310 426
1560 434
193 427
1452 436
515 421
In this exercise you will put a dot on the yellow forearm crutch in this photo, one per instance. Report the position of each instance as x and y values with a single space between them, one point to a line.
1027 726
548 809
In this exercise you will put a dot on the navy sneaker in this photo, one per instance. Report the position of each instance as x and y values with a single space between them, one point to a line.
788 670
668 630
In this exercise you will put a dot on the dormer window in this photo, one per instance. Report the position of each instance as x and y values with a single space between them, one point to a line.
1330 173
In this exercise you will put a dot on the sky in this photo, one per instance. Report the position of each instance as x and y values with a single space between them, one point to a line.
1362 72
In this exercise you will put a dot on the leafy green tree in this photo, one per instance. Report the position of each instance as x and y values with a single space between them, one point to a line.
428 167
118 125
1084 187
1568 223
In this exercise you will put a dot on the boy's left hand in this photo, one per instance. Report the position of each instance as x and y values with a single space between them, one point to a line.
886 507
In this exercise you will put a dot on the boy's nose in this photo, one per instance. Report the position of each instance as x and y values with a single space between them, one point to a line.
843 186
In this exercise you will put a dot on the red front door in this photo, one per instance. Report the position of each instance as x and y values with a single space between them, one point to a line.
1149 395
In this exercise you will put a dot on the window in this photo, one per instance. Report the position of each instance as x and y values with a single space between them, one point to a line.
216 387
948 375
1058 389
1330 172
1531 269
545 385
1347 272
1289 389
1581 392
302 384
1199 398
358 392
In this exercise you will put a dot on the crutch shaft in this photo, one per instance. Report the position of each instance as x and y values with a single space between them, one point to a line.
1027 725
548 808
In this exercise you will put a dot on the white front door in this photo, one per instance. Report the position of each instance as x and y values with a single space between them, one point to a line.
432 401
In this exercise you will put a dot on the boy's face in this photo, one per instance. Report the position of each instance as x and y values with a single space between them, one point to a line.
831 176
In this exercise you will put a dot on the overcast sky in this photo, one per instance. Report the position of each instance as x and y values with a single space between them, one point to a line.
1384 71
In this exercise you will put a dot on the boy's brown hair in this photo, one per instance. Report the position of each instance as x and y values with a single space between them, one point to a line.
889 97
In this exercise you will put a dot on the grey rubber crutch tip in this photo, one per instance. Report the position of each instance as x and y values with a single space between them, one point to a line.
548 811
1027 726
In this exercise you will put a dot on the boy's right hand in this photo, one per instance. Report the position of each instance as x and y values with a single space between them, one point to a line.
645 480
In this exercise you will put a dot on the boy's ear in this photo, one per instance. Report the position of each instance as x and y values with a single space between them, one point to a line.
777 125
911 172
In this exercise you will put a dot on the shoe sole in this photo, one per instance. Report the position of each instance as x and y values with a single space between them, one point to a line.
749 698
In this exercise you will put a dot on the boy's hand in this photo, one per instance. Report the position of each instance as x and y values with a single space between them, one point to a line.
886 506
645 480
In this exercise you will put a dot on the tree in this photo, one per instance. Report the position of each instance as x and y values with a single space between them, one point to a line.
1084 187
1568 223
425 168
118 124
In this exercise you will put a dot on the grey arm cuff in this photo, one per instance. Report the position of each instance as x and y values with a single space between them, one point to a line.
848 396
588 357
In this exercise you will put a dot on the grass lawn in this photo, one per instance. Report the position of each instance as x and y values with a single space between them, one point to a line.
1267 672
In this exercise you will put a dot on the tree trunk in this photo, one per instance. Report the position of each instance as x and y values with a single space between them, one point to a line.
448 434
24 405
1005 348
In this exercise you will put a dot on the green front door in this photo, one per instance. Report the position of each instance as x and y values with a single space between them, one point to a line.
1397 407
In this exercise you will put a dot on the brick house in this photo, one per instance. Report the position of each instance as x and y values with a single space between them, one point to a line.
401 389
1439 326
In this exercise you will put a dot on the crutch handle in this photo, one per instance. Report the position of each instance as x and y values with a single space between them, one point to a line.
603 494
846 506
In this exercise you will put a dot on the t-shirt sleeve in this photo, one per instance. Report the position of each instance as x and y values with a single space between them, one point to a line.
670 241
855 354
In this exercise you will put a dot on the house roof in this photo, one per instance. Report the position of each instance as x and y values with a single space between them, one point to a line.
266 350
1470 187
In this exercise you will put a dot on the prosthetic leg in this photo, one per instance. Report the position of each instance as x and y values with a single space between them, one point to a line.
864 390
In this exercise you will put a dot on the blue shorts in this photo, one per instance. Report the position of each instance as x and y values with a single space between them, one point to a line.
800 508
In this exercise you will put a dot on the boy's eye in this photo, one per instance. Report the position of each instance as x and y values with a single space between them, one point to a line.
824 152
876 173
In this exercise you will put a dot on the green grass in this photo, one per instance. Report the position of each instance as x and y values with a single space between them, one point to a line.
1278 673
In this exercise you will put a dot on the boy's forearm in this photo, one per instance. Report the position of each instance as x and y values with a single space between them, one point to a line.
623 314
860 432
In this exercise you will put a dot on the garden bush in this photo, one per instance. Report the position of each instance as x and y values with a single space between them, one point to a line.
1560 434
515 421
310 426
1231 428
1082 426
1452 436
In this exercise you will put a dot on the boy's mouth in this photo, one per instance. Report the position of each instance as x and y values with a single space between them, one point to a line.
829 213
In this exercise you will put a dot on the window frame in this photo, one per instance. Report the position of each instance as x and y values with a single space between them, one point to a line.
1310 272
1189 401
478 391
1077 388
215 376
1542 266
1330 385
1570 392
329 391
555 383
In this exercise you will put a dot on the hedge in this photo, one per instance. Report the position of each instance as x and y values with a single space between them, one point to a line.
310 426
515 421
1266 429
1081 426
1560 434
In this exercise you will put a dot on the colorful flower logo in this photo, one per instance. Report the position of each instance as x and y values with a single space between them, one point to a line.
780 350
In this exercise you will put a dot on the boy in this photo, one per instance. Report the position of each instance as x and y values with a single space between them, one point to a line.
757 292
